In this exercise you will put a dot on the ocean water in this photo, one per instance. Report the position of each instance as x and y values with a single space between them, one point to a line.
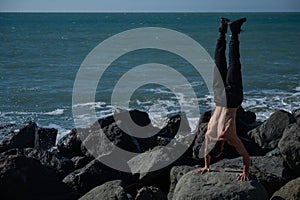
40 55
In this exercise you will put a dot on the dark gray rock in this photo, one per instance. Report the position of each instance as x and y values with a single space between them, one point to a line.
289 146
112 190
118 130
221 184
290 191
81 161
106 134
296 114
270 164
153 167
199 139
267 170
176 173
25 178
177 123
70 145
106 140
60 165
17 136
270 132
150 193
94 174
45 138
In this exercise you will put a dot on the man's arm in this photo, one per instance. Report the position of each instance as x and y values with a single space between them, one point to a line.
239 146
207 158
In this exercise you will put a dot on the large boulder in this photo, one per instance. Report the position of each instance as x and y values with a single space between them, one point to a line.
217 184
177 123
25 178
269 171
94 174
45 138
290 191
108 139
270 132
60 165
112 190
70 145
289 146
296 114
199 140
150 193
17 136
129 130
81 161
153 167
176 173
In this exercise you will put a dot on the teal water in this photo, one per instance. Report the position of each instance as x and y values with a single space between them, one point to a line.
40 55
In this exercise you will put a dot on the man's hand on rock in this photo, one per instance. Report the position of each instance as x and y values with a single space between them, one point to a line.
203 170
242 177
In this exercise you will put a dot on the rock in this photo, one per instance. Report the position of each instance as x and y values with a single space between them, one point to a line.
70 145
154 167
272 164
290 191
112 190
105 140
60 165
267 170
205 117
150 193
270 132
270 181
17 136
296 114
177 123
94 174
199 139
120 131
25 178
45 138
217 184
176 173
81 161
289 146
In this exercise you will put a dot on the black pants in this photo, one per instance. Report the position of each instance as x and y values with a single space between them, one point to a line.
227 83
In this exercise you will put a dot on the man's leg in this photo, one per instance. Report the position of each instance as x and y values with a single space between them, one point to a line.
234 83
220 70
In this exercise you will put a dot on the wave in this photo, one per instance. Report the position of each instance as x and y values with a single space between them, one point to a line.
54 112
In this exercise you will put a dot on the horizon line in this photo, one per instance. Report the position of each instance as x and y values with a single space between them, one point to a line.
67 11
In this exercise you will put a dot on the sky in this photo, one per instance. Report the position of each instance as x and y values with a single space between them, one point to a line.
149 5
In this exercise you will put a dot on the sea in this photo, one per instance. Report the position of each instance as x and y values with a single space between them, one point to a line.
41 54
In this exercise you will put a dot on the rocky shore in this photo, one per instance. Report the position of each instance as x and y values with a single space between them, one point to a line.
34 166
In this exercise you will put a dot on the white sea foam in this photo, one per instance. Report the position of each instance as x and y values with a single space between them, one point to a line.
57 111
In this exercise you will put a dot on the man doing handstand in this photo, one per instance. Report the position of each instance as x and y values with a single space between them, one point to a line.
228 96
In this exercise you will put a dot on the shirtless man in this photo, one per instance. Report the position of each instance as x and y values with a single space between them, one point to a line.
222 127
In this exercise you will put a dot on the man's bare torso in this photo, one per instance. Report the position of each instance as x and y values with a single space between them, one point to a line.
222 124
